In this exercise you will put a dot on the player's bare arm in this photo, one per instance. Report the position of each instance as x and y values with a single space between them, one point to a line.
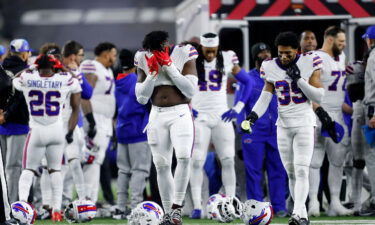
75 100
91 78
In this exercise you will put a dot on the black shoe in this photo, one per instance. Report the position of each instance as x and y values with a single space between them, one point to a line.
370 211
120 215
349 205
166 219
176 216
296 220
10 222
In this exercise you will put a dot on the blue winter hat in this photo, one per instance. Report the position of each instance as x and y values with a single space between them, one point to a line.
370 32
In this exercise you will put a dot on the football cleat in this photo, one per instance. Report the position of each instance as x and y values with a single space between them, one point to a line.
57 217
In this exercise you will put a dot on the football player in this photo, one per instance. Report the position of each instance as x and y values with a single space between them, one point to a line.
167 76
330 109
72 55
99 74
45 92
296 81
213 67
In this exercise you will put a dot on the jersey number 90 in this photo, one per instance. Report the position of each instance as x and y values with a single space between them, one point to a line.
289 93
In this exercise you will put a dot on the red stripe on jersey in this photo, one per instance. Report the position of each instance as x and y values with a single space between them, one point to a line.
317 63
25 150
122 75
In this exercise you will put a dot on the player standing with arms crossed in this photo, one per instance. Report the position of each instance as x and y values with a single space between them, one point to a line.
296 81
167 76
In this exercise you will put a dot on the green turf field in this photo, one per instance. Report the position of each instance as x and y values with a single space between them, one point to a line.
276 221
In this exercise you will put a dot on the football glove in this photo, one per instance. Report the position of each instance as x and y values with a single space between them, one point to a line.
163 57
248 122
69 137
327 123
152 64
92 125
293 72
229 115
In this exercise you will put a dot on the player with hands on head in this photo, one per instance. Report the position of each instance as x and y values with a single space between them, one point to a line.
45 91
167 77
295 90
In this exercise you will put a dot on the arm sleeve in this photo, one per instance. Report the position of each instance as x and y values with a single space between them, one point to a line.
187 84
247 87
144 90
312 93
262 103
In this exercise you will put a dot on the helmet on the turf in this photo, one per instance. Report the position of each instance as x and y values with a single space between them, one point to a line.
211 205
23 212
80 211
146 213
256 212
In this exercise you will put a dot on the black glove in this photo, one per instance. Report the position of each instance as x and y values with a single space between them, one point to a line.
248 122
293 72
92 125
69 137
113 140
327 123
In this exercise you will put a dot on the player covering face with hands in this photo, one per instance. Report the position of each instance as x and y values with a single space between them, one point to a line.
167 77
295 79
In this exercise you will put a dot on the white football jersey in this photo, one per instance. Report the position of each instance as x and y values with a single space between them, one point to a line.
179 54
294 108
67 109
103 96
45 96
212 95
333 78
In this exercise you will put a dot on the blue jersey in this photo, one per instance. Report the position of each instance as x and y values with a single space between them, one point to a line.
265 125
347 117
132 117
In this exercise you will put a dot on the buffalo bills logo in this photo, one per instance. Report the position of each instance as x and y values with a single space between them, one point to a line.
151 208
248 141
19 208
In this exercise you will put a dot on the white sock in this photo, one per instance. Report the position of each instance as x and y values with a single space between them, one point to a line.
196 182
181 179
314 180
301 190
92 175
334 182
77 173
24 184
57 190
45 187
357 188
228 176
166 186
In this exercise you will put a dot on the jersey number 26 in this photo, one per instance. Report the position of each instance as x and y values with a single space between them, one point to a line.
43 103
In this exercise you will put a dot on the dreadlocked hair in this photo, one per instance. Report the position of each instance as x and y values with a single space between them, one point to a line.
200 63
44 62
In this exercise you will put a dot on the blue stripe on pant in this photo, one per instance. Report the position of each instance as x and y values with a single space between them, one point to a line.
259 152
